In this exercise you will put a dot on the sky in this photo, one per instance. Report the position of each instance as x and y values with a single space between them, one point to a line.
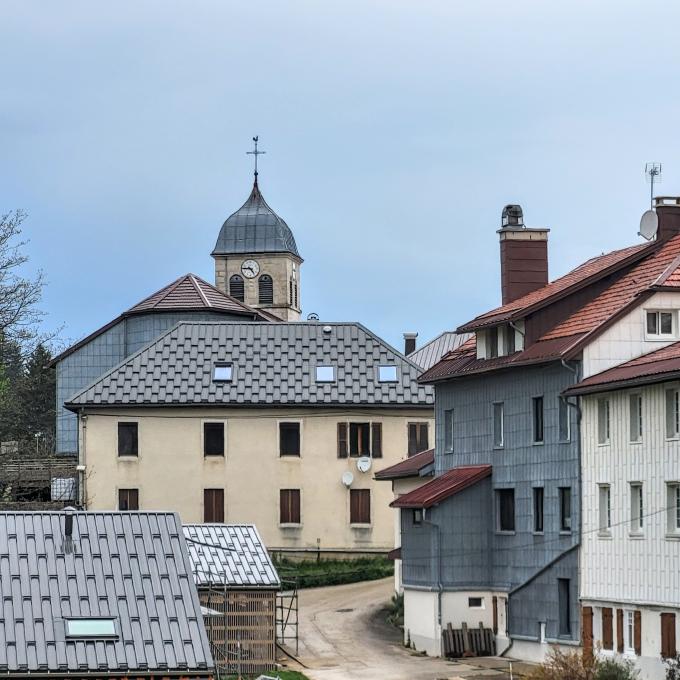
395 133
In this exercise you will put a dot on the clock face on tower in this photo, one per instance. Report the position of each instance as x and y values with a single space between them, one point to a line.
250 269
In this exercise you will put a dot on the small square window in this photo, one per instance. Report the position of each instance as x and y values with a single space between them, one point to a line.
476 602
289 439
213 439
660 323
128 439
417 516
222 372
387 374
325 373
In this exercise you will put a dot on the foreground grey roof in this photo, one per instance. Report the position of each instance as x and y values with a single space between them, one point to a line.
230 555
133 567
273 364
431 352
255 228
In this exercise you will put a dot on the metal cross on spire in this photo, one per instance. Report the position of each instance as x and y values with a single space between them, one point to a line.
255 153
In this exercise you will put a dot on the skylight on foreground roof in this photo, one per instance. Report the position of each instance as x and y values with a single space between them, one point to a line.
90 628
222 372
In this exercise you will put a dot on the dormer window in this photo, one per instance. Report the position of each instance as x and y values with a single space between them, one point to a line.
387 373
498 341
222 372
660 324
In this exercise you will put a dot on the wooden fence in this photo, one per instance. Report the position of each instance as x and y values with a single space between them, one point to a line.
468 641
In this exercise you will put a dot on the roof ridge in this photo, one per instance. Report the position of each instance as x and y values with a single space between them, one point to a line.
199 290
168 289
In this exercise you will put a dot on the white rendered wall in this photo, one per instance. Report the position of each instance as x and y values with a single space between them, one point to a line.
626 340
421 628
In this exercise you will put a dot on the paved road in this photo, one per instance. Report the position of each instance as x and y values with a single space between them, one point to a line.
343 636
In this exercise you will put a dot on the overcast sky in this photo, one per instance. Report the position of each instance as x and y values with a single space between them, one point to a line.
395 133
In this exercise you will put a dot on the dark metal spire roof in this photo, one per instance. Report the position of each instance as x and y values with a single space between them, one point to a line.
255 228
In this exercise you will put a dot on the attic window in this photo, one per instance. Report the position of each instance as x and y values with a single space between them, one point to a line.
660 323
387 374
91 628
325 374
222 372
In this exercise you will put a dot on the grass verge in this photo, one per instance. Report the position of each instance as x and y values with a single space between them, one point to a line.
313 574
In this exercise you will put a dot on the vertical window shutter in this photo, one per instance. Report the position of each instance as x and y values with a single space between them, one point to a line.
670 413
283 506
366 506
619 630
342 440
376 444
353 506
412 439
494 601
638 632
424 444
668 648
295 505
587 633
607 629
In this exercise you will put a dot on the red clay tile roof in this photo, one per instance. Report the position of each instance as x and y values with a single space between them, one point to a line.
407 468
592 270
655 367
190 292
442 487
659 264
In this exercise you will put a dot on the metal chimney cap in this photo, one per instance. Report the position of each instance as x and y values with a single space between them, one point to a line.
512 216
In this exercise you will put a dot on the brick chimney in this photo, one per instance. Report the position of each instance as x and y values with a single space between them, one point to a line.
524 255
409 343
668 211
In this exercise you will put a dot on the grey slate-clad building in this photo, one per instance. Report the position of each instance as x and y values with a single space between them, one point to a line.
187 298
495 536
111 596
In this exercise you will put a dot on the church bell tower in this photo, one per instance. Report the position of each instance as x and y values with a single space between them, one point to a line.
256 258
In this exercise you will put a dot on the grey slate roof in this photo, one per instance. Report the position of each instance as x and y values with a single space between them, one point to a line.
273 365
240 561
431 352
131 566
255 228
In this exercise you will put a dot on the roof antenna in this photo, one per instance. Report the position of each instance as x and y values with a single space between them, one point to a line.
255 153
653 175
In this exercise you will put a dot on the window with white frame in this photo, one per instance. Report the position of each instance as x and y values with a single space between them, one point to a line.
498 424
629 632
325 374
636 508
673 507
563 417
605 506
387 373
635 411
672 413
660 324
603 421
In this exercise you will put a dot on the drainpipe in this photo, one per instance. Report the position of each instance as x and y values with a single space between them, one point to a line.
82 466
440 586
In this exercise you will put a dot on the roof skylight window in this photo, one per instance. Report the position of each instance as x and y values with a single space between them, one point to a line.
91 628
325 373
222 372
387 373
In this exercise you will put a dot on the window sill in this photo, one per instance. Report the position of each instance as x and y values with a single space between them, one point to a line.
289 525
506 533
605 535
636 442
128 457
603 444
673 536
538 533
360 525
499 447
565 532
290 456
564 441
636 535
448 452
537 443
213 456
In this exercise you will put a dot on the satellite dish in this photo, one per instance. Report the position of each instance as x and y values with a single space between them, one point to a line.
649 223
347 478
364 464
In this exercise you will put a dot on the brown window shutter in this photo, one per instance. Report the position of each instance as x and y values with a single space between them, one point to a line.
607 629
342 440
213 505
289 506
376 436
668 648
295 505
360 506
423 444
494 601
638 632
619 630
587 632
412 439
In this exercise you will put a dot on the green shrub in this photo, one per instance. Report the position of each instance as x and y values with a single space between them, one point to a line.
673 668
612 669
395 611
314 574
584 665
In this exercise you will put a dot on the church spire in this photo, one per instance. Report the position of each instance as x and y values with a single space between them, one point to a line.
255 153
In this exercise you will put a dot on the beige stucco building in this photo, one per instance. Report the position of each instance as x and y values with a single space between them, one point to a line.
278 425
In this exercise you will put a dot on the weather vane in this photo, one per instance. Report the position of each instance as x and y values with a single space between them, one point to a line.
255 153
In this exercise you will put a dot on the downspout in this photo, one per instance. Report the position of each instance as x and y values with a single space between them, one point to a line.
440 586
82 466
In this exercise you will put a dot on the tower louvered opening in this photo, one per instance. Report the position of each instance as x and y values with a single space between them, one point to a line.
236 287
266 290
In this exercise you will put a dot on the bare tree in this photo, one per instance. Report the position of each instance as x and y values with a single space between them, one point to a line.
19 296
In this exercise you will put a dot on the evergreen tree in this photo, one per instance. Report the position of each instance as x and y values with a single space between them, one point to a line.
37 395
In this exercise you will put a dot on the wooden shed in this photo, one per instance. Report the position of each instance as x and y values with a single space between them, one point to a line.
237 587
